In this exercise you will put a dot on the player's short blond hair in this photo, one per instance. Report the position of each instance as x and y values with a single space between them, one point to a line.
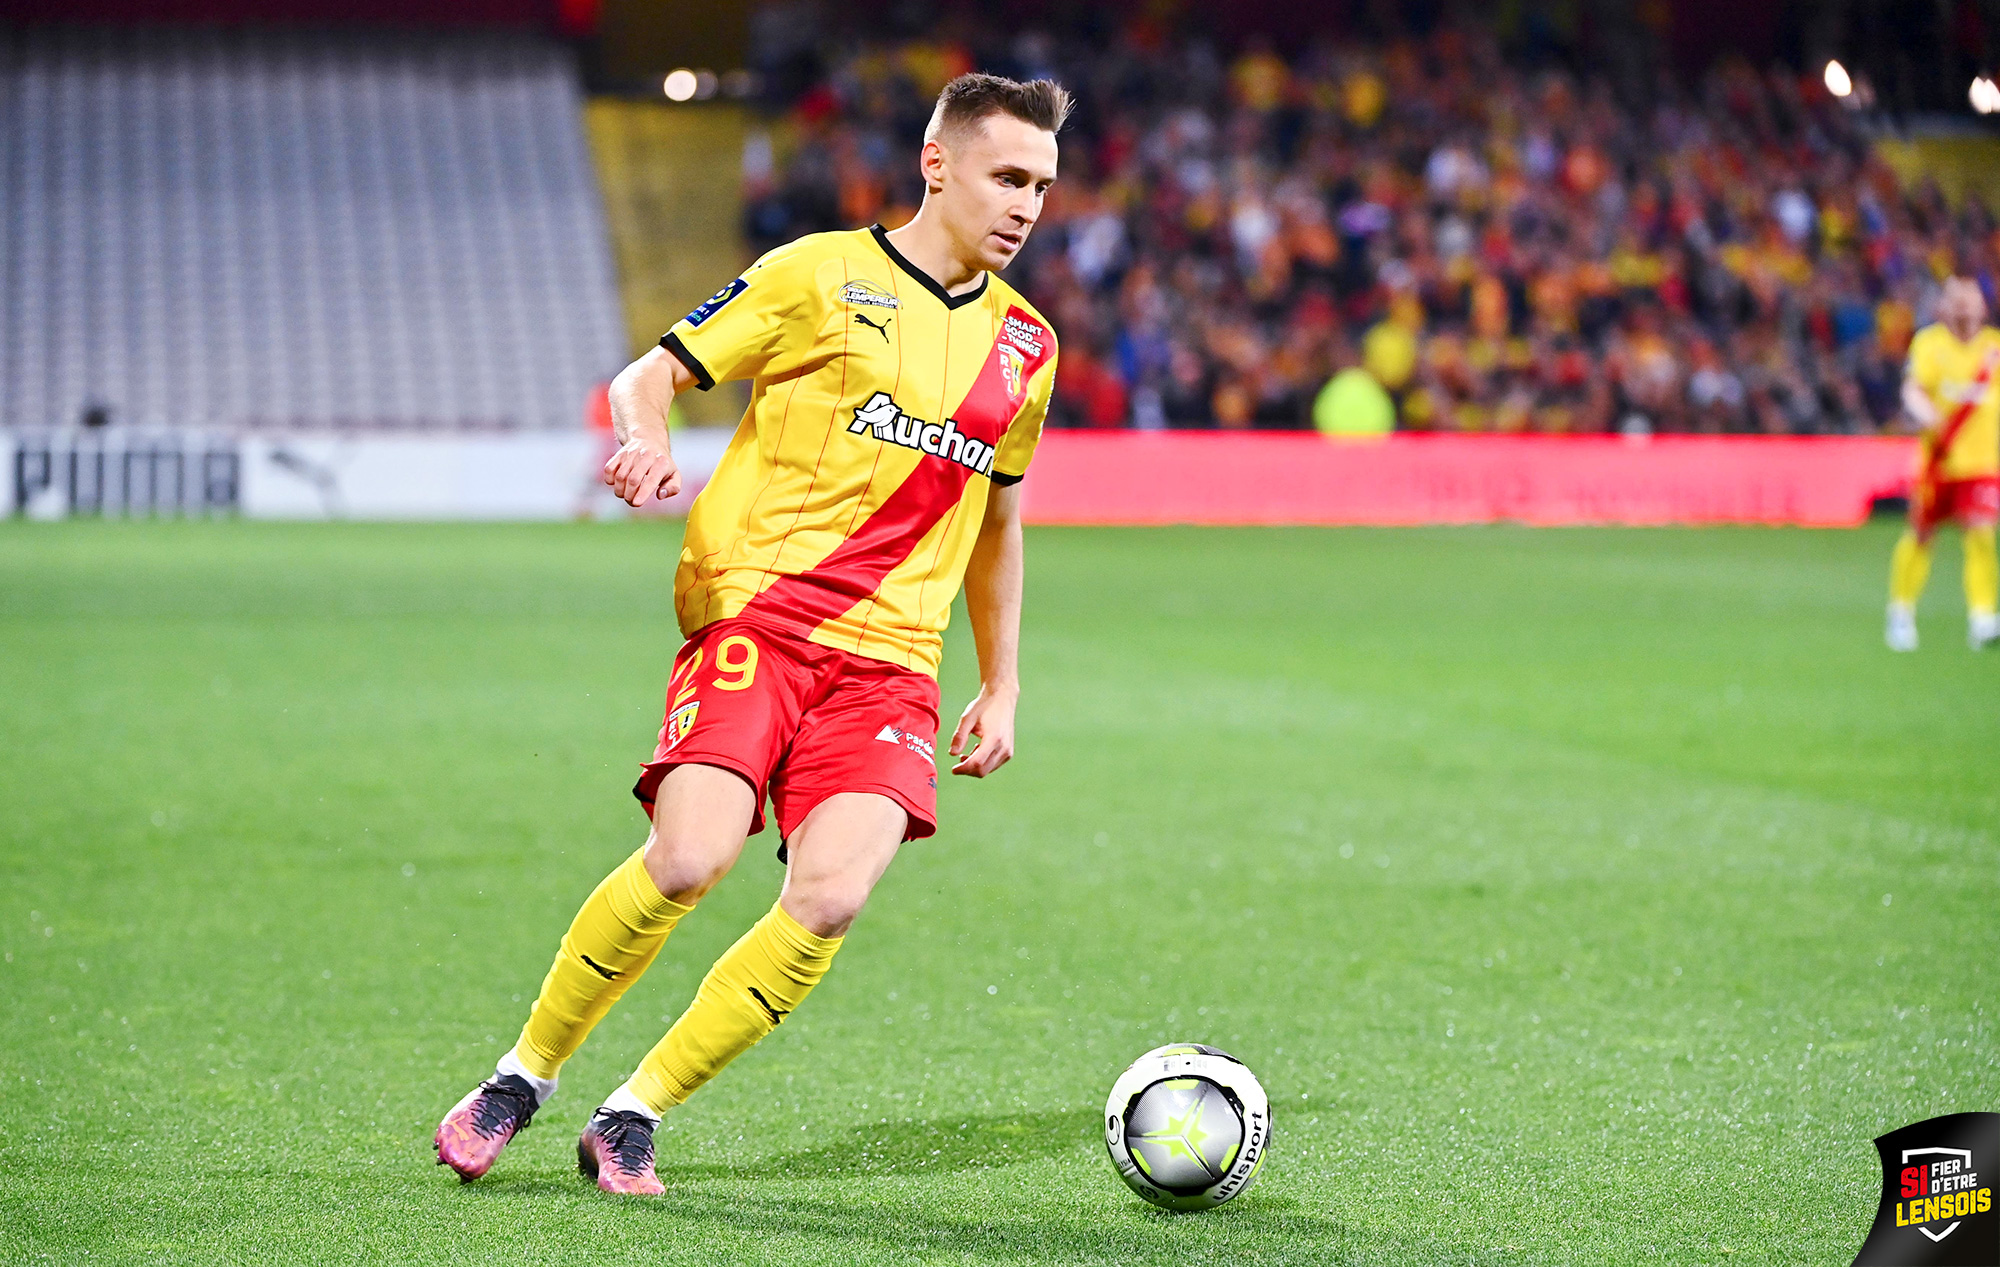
965 101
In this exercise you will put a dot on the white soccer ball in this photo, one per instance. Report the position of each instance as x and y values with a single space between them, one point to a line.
1187 1126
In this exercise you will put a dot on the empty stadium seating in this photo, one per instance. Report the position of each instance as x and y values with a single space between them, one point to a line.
300 229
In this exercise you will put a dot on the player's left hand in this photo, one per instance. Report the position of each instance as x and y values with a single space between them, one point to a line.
989 718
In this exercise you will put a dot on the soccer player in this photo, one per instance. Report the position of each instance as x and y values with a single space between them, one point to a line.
898 389
1949 390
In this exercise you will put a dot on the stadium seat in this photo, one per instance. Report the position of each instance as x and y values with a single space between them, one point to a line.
211 228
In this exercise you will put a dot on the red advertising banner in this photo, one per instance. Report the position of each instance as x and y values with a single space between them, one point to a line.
1304 478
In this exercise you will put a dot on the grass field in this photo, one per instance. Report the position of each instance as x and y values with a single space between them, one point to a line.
1581 897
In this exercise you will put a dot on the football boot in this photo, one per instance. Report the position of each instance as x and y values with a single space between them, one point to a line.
1901 630
616 1149
471 1136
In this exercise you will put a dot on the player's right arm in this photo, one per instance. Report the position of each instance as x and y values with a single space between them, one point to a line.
764 322
640 397
1918 404
1920 379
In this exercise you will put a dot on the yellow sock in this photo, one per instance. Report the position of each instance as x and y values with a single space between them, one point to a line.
1982 571
610 942
755 984
1909 568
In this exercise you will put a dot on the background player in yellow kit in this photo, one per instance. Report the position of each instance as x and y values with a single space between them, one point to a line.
898 391
1949 389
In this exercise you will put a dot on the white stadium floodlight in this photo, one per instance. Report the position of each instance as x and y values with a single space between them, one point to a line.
1838 82
680 85
1985 95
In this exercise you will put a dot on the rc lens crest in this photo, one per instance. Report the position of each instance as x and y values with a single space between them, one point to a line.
1013 370
681 721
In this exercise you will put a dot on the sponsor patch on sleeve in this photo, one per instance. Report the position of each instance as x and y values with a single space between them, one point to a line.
716 302
868 293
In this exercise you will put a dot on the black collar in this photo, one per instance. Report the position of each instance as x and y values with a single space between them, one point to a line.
924 279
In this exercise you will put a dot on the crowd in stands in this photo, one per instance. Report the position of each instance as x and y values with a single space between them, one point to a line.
1501 248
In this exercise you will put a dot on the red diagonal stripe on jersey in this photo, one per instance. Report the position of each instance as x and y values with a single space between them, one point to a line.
1948 433
858 566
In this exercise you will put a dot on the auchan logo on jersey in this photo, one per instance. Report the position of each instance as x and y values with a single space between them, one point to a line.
884 418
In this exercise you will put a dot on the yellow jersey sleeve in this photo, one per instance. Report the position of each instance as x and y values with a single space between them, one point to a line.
765 322
1925 366
1017 447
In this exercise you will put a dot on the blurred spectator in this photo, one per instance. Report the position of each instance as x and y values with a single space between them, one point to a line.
1715 393
1353 404
1506 249
1089 390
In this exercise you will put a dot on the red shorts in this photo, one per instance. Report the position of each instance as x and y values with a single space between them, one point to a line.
1973 503
800 721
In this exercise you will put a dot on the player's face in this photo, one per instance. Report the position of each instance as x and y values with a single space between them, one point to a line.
1962 308
993 183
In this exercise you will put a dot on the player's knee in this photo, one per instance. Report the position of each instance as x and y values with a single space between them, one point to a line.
827 909
682 870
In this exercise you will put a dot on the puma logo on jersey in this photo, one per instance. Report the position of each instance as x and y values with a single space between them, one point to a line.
883 329
886 421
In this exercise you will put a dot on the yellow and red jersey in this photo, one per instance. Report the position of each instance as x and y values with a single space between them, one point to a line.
881 411
1963 380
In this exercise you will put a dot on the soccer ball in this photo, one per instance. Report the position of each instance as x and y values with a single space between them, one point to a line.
1187 1126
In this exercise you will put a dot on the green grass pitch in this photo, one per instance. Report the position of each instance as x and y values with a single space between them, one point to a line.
1580 897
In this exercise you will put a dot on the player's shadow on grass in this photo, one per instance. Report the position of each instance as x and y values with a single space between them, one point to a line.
947 1145
940 1146
1131 1232
944 1146
911 1148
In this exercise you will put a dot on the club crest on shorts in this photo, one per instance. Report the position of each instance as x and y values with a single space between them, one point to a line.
681 721
1013 368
